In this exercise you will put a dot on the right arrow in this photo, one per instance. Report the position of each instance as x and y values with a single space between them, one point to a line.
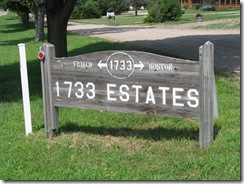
141 65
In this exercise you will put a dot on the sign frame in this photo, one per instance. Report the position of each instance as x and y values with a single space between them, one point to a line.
123 71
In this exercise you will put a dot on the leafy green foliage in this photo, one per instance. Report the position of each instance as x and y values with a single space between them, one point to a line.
155 12
103 6
185 6
197 6
17 6
138 3
161 11
86 11
172 10
22 8
117 6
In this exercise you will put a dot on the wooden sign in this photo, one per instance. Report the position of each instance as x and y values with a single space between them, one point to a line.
131 82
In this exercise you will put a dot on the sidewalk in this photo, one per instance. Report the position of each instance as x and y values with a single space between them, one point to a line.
177 42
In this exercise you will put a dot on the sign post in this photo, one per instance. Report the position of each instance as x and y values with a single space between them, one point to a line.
130 82
50 111
25 89
208 100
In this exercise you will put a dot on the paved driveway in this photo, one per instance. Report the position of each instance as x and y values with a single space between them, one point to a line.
178 41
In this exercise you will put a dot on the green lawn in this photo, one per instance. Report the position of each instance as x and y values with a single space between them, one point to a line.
119 20
187 17
219 26
95 145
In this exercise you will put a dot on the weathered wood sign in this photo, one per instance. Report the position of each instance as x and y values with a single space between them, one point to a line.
131 82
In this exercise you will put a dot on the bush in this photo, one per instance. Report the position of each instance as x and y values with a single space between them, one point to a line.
76 14
197 6
214 8
185 6
172 10
160 11
155 12
117 6
88 10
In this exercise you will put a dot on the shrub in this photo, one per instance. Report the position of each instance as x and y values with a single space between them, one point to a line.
197 6
76 14
172 10
185 6
88 10
160 11
155 12
214 8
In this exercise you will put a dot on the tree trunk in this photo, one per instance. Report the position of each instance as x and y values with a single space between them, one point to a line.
57 35
136 11
58 13
25 19
39 23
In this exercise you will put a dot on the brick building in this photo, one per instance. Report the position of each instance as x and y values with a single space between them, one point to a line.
218 3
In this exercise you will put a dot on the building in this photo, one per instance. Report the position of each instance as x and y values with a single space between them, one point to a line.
218 3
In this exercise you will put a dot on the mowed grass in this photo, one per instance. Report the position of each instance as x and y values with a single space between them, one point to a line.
187 17
220 26
96 145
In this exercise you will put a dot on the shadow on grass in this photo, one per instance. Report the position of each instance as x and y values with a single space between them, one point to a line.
15 27
156 134
16 42
10 82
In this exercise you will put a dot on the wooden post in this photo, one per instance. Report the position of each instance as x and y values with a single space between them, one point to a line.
50 111
208 96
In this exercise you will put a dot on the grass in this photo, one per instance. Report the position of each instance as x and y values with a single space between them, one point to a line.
219 26
187 17
119 20
95 145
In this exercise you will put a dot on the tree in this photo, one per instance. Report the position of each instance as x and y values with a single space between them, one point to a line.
161 11
87 10
117 6
58 13
22 8
137 4
40 12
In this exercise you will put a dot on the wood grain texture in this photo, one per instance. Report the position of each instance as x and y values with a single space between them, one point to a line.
206 58
51 118
132 82
182 74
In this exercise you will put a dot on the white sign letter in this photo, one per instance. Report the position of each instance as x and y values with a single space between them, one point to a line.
193 98
137 91
175 97
126 95
109 92
163 94
150 95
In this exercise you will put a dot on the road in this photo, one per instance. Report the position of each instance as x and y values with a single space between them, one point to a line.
179 41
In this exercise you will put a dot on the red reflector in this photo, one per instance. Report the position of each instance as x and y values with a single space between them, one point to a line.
41 55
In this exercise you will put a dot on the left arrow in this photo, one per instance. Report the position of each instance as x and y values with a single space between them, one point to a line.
101 65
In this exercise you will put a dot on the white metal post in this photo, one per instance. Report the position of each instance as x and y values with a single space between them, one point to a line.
25 88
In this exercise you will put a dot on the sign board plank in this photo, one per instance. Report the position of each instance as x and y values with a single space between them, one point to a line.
128 81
